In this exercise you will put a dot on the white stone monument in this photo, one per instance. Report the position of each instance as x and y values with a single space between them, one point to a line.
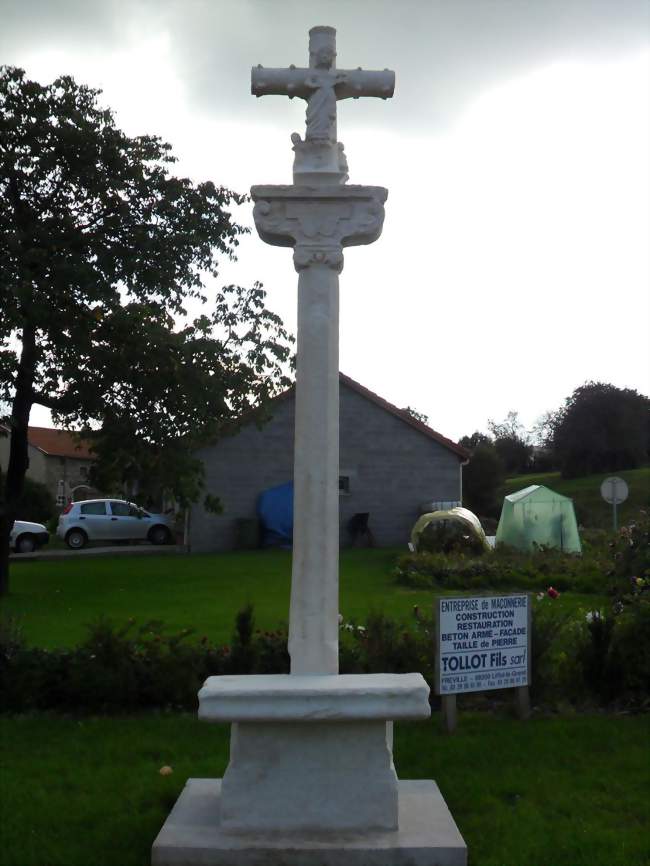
311 780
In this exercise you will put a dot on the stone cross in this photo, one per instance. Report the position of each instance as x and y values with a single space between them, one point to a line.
311 779
318 216
320 157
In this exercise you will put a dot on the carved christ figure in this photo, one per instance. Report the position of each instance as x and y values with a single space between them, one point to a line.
321 102
321 84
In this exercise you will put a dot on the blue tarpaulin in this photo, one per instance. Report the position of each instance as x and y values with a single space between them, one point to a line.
275 511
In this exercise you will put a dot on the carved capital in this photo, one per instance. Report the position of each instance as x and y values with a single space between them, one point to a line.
330 257
318 221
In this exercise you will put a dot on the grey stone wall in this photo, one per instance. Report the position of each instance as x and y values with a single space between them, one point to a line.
392 468
73 471
48 469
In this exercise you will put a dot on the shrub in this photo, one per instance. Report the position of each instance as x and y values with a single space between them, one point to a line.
384 645
628 662
630 557
36 503
546 646
593 652
114 669
242 654
505 568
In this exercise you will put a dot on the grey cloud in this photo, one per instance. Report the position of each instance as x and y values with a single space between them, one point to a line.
444 51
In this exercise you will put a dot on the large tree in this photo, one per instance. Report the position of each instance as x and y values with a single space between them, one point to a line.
600 428
101 249
483 476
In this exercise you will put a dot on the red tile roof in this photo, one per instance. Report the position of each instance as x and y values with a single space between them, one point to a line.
58 443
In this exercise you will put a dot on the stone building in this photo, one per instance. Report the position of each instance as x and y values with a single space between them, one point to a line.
57 459
390 464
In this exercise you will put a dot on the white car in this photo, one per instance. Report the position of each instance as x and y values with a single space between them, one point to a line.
111 520
26 537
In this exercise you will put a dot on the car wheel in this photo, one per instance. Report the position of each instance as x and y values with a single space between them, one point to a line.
76 539
159 535
26 544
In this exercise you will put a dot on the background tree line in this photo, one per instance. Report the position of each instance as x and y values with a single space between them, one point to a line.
599 428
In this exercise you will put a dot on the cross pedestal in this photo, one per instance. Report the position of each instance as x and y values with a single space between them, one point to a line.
311 780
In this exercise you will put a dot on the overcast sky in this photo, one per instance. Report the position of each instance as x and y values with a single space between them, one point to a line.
514 263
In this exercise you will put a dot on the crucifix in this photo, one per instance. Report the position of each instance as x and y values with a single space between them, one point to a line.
318 216
320 157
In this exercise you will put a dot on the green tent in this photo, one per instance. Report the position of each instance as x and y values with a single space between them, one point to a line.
537 515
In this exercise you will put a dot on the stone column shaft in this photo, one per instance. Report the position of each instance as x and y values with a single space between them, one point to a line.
318 222
313 628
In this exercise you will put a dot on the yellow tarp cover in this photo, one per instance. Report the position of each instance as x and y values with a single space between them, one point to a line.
460 516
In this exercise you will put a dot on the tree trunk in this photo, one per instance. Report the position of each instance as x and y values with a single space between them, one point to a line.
18 448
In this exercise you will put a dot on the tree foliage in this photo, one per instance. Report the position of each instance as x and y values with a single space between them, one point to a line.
477 438
600 428
512 443
419 416
482 480
36 503
102 250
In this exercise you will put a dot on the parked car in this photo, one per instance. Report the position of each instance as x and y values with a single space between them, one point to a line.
26 537
111 520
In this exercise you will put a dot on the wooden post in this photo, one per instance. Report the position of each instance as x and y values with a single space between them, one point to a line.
522 702
449 713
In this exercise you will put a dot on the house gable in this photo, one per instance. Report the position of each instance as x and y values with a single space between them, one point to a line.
391 467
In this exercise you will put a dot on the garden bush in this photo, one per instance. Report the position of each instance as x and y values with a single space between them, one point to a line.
507 568
630 556
585 658
36 503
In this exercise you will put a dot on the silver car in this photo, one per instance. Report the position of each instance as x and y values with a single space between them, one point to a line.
112 520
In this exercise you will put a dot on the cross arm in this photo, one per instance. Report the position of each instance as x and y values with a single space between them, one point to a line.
362 82
280 82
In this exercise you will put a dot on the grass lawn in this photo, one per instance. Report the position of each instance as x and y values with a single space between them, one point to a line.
55 600
592 510
548 792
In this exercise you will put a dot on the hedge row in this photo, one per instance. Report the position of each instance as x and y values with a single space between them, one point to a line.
595 658
506 569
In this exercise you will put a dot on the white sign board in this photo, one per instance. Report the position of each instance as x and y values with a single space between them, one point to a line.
614 490
483 643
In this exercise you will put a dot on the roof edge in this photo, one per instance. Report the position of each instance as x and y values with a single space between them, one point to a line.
458 450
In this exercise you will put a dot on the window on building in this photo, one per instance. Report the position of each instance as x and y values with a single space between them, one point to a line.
344 483
93 508
83 472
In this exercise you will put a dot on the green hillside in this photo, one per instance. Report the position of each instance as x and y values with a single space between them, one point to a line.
591 509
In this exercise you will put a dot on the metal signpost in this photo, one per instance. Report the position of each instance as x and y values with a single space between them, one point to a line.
482 643
614 490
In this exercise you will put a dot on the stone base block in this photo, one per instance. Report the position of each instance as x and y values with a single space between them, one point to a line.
427 836
309 777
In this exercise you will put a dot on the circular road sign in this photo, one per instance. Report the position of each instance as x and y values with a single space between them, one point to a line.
614 490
